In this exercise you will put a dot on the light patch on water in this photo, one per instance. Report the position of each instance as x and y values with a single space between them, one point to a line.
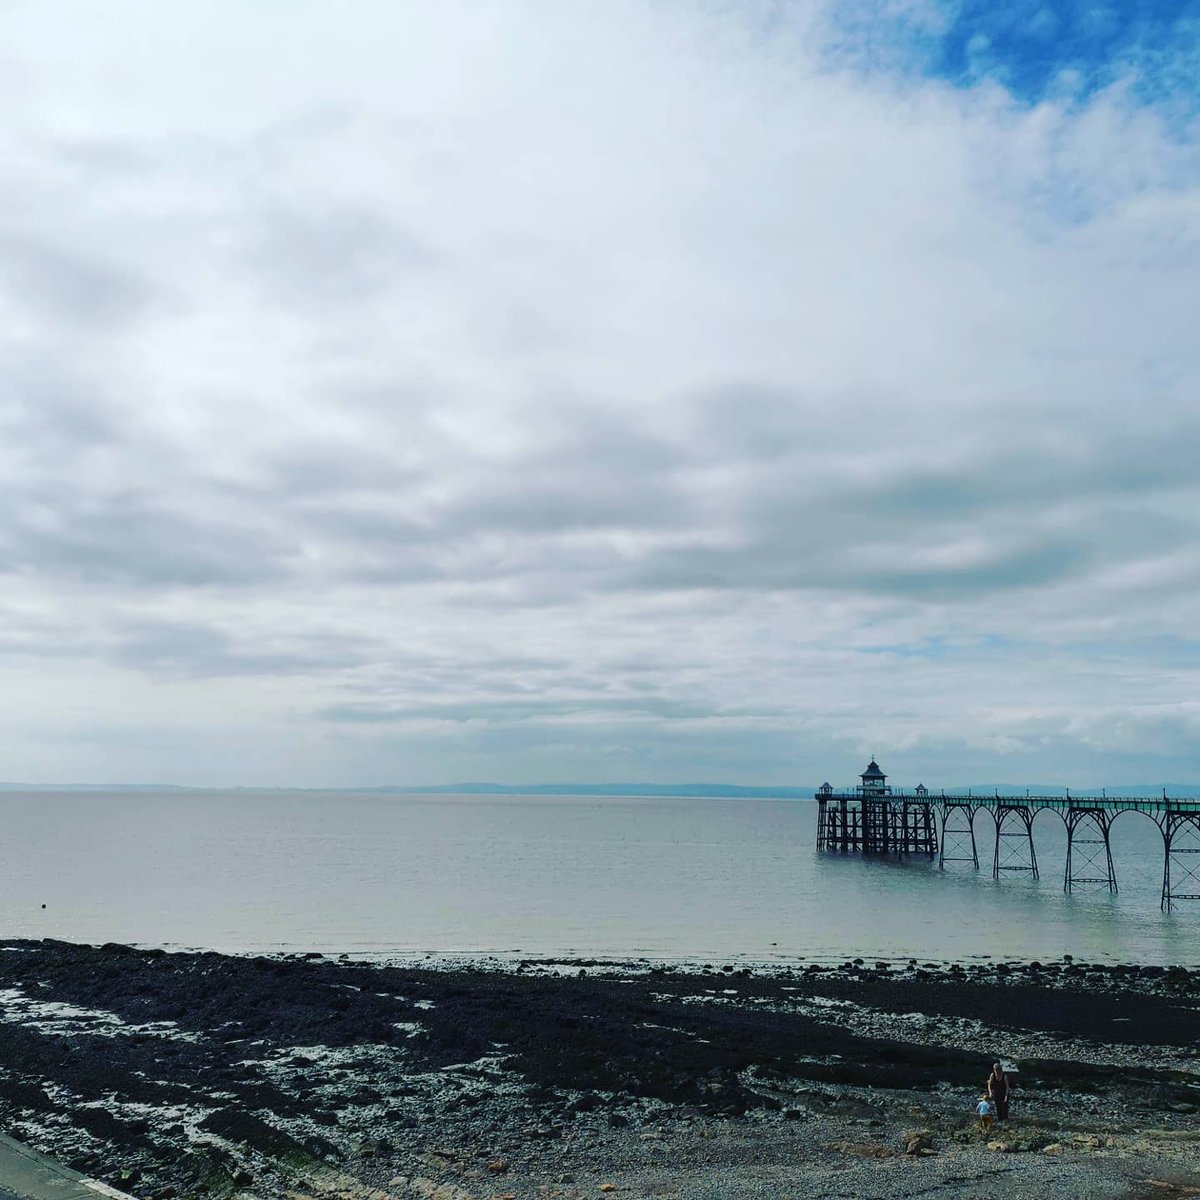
56 1132
380 1068
347 1058
831 1002
961 1032
61 1019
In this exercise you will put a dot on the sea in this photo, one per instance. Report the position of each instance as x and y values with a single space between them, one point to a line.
452 877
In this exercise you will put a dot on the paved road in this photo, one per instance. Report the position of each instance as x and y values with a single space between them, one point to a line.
27 1175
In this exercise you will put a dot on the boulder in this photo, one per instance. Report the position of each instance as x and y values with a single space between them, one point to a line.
917 1140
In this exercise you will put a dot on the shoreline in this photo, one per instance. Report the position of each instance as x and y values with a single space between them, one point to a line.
508 960
172 1074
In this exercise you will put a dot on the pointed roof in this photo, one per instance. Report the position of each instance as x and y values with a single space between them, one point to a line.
873 771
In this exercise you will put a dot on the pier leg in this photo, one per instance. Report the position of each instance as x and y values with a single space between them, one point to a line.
1014 840
929 837
958 835
1088 830
1181 857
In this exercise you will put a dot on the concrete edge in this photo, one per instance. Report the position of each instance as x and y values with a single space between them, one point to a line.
30 1173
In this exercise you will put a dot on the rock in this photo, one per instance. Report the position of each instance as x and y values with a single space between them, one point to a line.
608 1187
917 1140
998 1147
498 1166
863 1149
542 1131
1053 1148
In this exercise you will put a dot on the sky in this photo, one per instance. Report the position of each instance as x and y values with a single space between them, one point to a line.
666 390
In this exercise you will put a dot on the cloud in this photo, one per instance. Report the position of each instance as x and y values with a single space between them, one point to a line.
61 287
599 391
331 257
193 650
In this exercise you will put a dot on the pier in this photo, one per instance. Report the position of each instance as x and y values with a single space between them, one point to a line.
874 819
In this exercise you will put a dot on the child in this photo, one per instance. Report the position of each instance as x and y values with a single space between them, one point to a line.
987 1114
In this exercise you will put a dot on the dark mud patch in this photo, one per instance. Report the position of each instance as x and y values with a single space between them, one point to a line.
1113 1006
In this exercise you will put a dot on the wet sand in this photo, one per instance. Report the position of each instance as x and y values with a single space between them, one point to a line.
188 1074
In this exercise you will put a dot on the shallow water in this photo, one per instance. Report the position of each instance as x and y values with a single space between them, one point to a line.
545 876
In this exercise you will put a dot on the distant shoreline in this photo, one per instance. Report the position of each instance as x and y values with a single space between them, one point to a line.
630 790
698 791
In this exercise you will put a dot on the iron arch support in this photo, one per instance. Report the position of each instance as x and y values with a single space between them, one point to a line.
1014 848
1089 849
1181 855
958 834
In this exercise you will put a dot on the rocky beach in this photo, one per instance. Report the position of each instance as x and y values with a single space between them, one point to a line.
198 1074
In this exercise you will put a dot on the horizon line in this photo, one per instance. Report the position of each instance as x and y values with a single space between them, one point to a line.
625 788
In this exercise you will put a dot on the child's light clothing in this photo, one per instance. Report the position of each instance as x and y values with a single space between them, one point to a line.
985 1109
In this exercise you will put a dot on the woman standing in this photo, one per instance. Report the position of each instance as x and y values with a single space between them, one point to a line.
997 1090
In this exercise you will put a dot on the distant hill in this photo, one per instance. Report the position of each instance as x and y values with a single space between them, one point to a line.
449 789
97 787
602 789
714 790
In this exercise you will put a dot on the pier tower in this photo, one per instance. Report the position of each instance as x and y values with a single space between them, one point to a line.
871 820
874 781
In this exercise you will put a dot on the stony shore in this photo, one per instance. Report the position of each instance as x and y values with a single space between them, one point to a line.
197 1074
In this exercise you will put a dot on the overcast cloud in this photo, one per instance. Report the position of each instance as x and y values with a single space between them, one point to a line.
526 391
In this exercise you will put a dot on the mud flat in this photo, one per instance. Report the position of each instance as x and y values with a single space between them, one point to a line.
197 1074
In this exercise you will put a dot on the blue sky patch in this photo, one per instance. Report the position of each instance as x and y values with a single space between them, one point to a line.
1061 49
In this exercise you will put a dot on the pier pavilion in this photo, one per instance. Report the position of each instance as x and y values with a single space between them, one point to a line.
875 819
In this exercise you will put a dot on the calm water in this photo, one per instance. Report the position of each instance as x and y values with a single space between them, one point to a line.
696 879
